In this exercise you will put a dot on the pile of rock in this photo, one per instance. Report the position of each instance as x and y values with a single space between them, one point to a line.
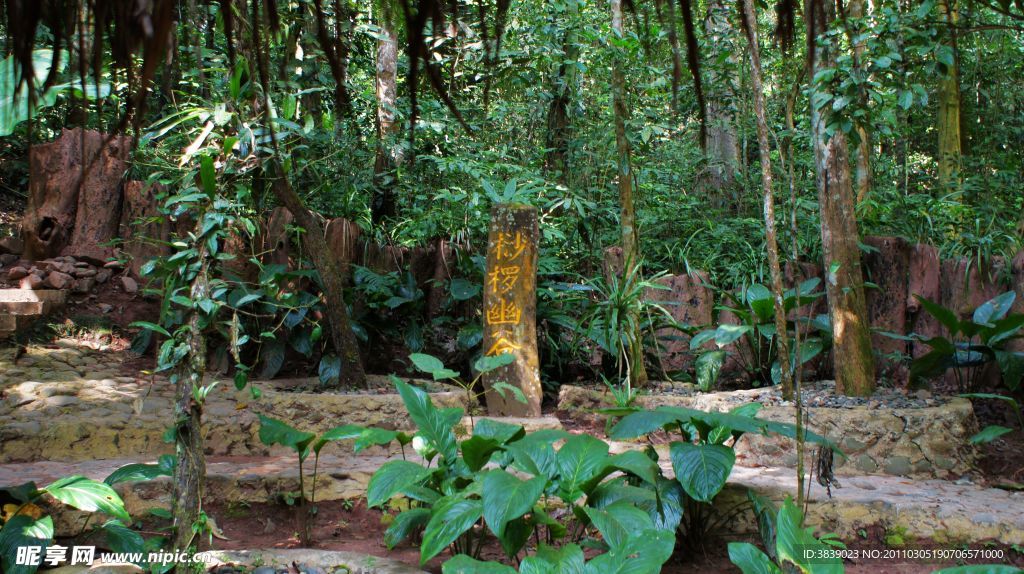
64 273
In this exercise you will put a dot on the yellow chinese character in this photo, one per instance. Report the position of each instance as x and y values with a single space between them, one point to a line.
504 313
503 279
508 246
502 345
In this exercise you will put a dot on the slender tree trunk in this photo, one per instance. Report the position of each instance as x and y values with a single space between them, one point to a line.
844 282
949 105
677 56
790 389
721 143
630 237
342 336
190 471
767 182
388 149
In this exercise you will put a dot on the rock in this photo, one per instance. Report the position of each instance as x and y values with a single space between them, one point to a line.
16 273
81 272
11 246
7 259
84 285
103 275
105 308
264 570
34 282
130 285
923 394
59 280
62 401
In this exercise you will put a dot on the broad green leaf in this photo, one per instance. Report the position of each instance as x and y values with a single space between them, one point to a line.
641 423
637 463
500 431
506 497
488 363
20 531
702 469
942 314
89 495
751 560
550 560
989 434
728 334
462 289
432 366
330 370
994 309
344 432
151 327
273 431
391 478
137 472
452 517
792 540
707 367
430 422
581 458
405 524
644 553
120 538
759 298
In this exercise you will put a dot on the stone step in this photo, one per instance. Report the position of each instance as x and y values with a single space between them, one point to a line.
20 307
28 302
948 512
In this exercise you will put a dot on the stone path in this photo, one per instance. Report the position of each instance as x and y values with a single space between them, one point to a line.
942 510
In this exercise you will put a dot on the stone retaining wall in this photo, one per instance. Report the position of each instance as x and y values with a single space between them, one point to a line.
919 442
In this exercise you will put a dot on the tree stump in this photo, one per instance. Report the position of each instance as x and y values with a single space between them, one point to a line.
67 213
510 310
145 231
690 302
888 268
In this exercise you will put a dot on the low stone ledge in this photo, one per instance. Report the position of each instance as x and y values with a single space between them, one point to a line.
920 442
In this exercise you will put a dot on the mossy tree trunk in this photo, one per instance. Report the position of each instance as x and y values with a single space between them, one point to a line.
388 149
844 281
629 236
721 143
948 121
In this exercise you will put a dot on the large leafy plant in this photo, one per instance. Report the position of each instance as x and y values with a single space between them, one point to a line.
497 482
752 338
790 545
972 343
702 457
24 521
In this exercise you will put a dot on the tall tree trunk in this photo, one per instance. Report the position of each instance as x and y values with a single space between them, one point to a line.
863 172
559 130
721 143
844 284
388 149
627 223
949 104
190 470
767 182
790 388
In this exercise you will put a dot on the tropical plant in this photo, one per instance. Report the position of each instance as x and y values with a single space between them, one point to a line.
972 343
702 457
457 502
275 432
485 364
24 522
992 432
790 545
752 338
624 317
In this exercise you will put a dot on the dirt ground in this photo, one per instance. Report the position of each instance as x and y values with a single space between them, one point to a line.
353 527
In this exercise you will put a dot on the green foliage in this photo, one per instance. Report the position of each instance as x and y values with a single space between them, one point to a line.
25 523
794 546
752 338
972 343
